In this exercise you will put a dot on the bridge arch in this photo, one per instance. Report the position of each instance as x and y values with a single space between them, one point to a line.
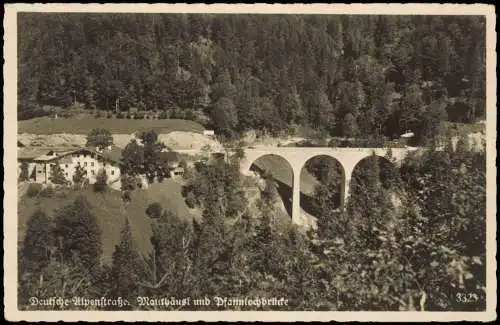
281 171
374 168
260 163
383 164
349 159
323 169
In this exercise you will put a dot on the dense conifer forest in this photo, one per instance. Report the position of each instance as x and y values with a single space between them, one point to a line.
345 75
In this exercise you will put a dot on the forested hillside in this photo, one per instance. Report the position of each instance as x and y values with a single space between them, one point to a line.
425 254
347 75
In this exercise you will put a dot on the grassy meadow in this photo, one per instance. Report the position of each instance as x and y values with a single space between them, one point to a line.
83 125
112 212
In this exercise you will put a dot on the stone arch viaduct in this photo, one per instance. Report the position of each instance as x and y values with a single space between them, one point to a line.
298 156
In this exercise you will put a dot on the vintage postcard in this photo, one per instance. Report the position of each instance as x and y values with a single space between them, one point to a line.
249 162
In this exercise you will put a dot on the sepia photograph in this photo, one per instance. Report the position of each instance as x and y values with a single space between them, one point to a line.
246 160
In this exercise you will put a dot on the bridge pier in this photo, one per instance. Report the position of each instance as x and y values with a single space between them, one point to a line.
346 185
296 218
345 193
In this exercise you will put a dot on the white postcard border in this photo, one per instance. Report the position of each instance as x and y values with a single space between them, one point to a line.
10 166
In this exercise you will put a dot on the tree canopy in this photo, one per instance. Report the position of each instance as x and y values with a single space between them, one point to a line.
101 138
340 73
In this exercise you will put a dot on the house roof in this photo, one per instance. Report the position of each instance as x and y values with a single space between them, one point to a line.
113 154
47 157
170 156
53 154
30 153
26 153
407 135
46 154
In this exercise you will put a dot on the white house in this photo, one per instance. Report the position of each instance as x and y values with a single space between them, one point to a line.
210 133
91 160
177 172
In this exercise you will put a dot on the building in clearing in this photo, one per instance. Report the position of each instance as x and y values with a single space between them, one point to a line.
176 172
92 160
41 161
173 160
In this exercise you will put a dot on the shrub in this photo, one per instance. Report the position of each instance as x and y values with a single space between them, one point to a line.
57 175
79 177
179 113
33 189
126 196
24 175
163 115
190 200
305 143
154 210
27 110
334 143
48 192
99 138
129 183
66 114
60 192
101 182
189 115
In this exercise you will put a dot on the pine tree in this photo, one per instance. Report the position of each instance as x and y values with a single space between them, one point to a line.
432 123
263 242
224 114
89 93
463 144
170 263
78 233
133 162
291 107
38 242
101 138
79 177
56 279
325 207
222 199
126 267
369 201
350 127
223 86
57 175
321 114
24 175
154 165
101 182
